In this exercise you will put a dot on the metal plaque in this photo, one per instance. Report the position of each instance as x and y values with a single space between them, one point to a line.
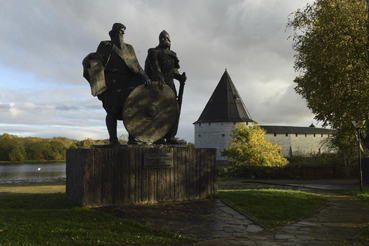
149 113
158 160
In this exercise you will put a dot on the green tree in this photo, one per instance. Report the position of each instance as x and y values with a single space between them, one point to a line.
331 44
184 142
58 150
18 153
249 147
40 150
65 141
5 141
11 149
87 142
6 136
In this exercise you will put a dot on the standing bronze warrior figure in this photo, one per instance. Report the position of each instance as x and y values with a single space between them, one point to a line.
162 65
114 62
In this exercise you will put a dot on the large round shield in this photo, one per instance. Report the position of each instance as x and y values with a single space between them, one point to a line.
149 113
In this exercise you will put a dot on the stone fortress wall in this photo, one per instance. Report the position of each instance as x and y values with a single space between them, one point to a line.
219 135
300 144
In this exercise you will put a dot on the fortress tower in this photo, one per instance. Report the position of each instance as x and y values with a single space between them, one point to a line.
224 110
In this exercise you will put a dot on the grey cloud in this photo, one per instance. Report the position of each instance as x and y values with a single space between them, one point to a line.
66 108
4 106
285 106
47 40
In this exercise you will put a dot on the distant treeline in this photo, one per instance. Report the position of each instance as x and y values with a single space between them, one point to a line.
19 149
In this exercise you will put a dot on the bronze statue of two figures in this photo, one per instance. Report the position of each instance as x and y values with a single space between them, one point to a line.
146 100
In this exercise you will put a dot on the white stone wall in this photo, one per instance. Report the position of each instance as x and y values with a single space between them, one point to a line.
300 143
216 135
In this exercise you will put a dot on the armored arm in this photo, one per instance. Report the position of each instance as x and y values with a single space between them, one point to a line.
180 77
152 67
103 50
176 75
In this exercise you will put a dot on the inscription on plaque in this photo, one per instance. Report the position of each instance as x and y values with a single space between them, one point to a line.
158 160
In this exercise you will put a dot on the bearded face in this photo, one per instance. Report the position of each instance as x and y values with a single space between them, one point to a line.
118 37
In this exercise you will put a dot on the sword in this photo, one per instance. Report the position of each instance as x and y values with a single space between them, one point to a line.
180 93
182 81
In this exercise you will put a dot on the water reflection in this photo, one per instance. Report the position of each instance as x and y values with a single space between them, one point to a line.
31 172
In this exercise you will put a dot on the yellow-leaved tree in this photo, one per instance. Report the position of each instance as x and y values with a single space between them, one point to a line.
249 147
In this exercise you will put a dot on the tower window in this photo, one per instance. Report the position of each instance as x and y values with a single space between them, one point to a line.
199 135
223 135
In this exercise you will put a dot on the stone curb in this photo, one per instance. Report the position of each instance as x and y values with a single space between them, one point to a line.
243 214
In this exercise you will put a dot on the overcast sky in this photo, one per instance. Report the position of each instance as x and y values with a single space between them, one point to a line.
43 42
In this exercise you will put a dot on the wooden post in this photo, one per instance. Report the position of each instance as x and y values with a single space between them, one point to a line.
107 177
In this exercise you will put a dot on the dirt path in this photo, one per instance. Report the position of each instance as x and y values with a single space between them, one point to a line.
31 188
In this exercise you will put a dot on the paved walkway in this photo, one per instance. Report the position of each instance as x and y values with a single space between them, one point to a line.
202 219
217 224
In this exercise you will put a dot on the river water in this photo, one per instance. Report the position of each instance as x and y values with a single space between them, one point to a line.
31 172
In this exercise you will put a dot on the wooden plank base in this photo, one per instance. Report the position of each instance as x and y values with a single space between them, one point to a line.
111 177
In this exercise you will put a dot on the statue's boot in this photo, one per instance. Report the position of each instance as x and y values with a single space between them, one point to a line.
132 140
111 124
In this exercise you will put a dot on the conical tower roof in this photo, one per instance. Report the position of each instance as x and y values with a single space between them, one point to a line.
225 104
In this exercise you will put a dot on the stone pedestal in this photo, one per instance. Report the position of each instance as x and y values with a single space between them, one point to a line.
140 174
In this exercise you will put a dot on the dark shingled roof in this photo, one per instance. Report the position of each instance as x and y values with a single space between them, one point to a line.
225 105
297 129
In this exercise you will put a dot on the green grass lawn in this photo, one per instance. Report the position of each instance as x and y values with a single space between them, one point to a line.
51 219
362 195
272 207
